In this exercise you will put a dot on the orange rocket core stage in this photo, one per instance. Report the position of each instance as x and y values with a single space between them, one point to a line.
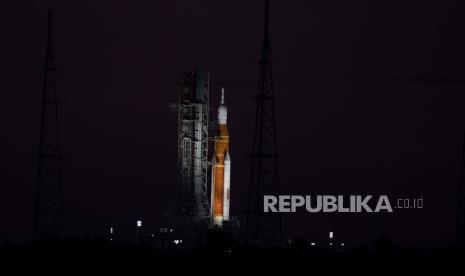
221 169
221 148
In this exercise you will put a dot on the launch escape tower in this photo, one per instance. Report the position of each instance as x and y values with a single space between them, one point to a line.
49 205
193 209
264 228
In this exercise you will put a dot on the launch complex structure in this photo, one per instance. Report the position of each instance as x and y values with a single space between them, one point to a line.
193 209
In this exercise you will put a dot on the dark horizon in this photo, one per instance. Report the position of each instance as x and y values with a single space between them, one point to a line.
374 91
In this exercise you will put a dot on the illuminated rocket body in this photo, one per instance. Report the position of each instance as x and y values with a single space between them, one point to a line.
221 169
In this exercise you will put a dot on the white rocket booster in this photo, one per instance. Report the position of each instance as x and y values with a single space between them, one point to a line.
227 186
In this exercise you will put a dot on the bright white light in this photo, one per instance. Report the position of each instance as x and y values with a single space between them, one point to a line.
331 235
176 242
139 223
342 244
330 243
312 244
171 230
111 230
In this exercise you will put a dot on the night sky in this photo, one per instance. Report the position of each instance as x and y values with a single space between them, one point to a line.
370 99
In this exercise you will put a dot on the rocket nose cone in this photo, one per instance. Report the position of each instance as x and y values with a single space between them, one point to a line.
227 157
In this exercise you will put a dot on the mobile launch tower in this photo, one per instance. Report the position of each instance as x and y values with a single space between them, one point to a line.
193 208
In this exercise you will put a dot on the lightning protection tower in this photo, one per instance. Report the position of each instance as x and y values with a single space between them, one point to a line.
460 221
49 206
264 228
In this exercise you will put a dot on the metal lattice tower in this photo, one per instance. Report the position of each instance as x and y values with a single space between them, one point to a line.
49 207
460 221
193 207
264 228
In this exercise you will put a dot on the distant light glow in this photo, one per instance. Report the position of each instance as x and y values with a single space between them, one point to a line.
312 244
139 223
331 235
342 244
111 230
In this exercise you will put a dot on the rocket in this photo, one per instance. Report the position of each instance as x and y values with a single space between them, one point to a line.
221 169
